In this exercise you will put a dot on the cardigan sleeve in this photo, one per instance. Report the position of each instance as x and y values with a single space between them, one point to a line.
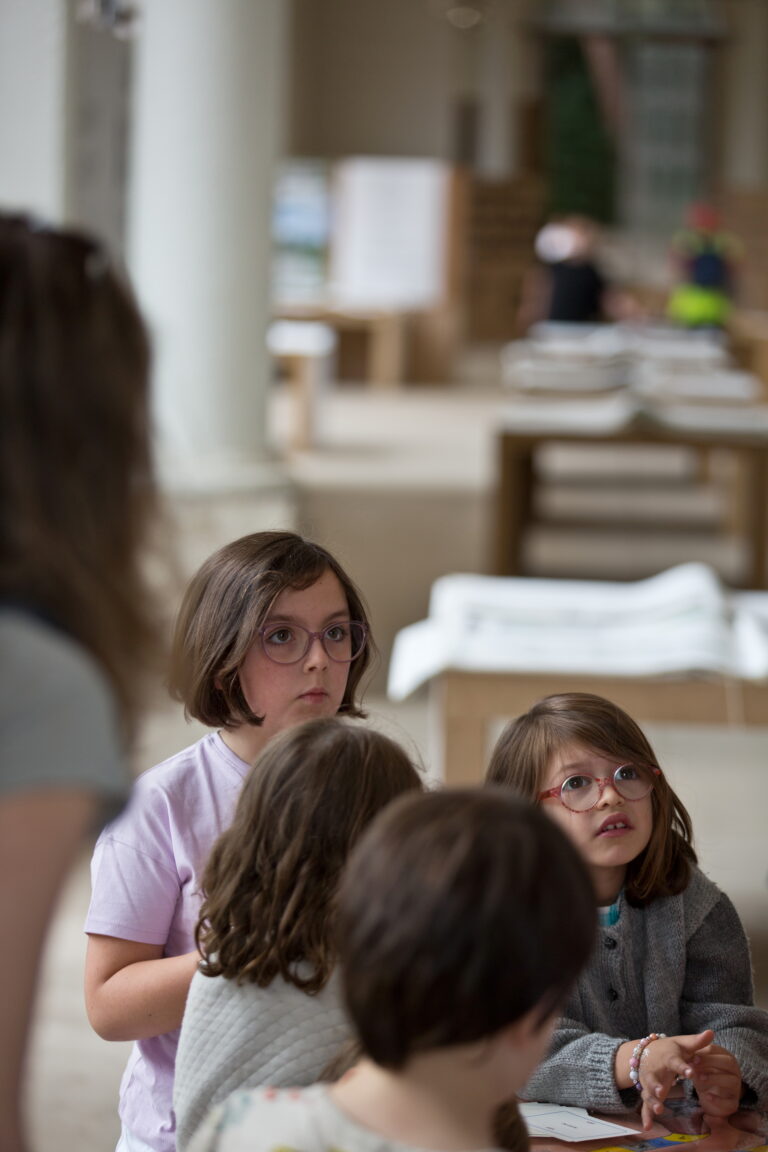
718 994
579 1070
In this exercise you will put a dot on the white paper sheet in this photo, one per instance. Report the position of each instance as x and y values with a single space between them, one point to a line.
572 1124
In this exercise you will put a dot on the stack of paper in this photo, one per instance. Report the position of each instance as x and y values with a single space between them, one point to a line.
681 621
559 357
566 358
602 416
662 380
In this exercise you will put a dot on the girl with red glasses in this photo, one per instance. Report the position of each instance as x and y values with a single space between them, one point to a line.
667 996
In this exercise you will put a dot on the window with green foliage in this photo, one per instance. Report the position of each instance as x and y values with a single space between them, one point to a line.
580 154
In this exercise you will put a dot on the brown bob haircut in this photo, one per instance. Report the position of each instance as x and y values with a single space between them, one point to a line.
524 752
78 501
460 912
271 881
223 608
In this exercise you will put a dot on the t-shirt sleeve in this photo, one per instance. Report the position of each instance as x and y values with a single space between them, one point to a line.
58 723
134 879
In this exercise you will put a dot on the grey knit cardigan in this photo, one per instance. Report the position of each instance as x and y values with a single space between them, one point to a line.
679 965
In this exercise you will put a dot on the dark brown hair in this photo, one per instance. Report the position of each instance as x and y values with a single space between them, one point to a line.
271 881
223 608
523 755
460 912
77 495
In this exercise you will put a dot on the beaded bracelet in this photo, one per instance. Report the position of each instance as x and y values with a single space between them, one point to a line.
637 1055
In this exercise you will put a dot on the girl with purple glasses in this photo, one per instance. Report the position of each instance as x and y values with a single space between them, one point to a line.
271 633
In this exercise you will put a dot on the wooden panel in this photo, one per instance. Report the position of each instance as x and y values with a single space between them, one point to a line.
745 212
504 216
466 704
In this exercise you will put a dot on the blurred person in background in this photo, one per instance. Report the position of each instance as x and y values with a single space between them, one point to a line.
705 258
568 284
78 623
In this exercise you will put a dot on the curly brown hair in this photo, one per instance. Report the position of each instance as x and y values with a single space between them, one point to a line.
271 880
524 751
77 491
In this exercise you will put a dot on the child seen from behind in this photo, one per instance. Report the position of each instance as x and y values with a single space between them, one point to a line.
264 1006
668 993
464 918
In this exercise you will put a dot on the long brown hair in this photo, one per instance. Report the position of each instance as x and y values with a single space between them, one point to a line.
77 495
523 754
271 880
227 601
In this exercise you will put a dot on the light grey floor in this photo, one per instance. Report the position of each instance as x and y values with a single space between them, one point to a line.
400 488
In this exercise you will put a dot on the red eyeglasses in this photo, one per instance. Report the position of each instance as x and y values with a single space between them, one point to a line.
582 791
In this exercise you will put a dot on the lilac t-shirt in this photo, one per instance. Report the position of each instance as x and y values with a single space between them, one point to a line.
145 875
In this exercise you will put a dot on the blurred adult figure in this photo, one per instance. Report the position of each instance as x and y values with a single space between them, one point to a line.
78 624
568 284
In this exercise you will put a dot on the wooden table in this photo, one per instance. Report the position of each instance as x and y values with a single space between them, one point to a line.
516 483
463 706
385 329
728 1140
742 1131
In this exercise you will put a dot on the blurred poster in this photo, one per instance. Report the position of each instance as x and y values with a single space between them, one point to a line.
301 227
389 232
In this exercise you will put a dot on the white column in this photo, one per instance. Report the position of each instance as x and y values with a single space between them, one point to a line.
33 106
495 158
205 135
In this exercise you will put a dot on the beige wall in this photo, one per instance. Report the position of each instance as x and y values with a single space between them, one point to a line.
373 78
383 78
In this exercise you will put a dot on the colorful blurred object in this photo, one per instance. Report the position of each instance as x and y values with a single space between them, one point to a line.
705 255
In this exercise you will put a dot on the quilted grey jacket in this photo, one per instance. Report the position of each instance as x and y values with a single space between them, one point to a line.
242 1036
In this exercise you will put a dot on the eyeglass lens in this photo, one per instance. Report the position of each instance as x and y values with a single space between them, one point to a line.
288 643
582 792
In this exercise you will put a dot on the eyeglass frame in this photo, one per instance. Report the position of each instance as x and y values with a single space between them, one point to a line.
602 782
311 637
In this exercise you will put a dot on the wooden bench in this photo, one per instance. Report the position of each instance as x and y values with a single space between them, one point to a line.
385 331
517 479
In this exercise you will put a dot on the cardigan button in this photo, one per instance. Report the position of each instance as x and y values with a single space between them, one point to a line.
609 941
612 994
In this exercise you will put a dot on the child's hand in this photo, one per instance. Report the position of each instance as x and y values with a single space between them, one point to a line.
662 1062
717 1080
